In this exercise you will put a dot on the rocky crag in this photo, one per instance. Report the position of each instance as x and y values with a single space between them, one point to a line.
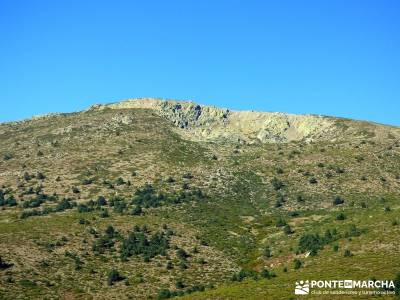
209 123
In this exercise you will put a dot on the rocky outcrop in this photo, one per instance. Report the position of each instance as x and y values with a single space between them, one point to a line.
209 123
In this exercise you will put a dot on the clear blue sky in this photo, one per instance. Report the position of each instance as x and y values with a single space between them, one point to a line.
337 57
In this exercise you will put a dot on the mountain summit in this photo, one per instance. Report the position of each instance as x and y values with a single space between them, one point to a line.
210 123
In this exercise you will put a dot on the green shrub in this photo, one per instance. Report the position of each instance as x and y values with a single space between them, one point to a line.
40 176
64 205
27 176
137 210
297 264
119 204
243 274
110 231
35 202
11 201
339 170
277 184
139 242
310 242
267 252
280 222
353 231
147 197
169 265
265 273
75 257
341 217
7 156
101 201
114 276
287 229
27 283
313 180
29 213
82 208
104 213
338 201
182 254
120 181
179 284
164 294
103 244
187 176
183 265
87 181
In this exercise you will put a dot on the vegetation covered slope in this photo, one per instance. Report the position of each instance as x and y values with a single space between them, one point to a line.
137 201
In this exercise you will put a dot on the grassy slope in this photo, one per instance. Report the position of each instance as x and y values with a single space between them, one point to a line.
375 255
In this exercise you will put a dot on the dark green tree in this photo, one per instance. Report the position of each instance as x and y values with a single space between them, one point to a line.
277 184
297 263
338 201
114 276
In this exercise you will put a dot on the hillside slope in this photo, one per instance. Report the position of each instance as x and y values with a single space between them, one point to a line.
150 198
